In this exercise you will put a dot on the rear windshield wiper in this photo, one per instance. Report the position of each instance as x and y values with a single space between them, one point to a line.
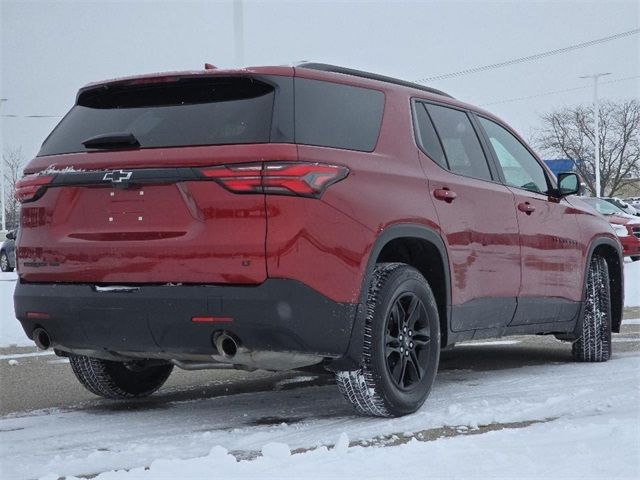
112 140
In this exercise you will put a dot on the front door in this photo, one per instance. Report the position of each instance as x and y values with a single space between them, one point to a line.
552 255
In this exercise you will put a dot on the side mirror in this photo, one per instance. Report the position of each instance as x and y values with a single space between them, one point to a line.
11 235
568 184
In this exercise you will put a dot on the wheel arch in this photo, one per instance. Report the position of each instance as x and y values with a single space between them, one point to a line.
420 247
610 250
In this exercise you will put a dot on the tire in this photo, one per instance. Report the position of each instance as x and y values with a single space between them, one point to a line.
4 262
390 383
635 258
594 342
118 380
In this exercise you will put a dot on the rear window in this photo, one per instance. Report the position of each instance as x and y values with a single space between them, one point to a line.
336 115
211 111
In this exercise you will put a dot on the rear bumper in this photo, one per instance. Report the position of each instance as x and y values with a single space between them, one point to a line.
156 321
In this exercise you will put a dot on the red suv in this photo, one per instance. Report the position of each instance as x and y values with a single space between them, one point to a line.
288 217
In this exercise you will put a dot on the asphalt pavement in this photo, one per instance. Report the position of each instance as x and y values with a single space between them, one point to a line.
33 380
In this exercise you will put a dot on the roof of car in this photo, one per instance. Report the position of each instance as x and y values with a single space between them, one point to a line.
313 70
332 70
325 67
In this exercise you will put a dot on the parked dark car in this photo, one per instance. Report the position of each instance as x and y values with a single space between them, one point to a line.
288 217
8 252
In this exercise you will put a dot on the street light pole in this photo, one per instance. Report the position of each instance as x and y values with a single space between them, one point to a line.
4 218
596 131
238 32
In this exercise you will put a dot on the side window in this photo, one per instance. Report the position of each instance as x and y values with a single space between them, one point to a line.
338 116
427 137
460 141
520 168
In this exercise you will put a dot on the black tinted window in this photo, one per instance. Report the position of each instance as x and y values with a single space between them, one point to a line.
211 111
427 137
460 142
335 115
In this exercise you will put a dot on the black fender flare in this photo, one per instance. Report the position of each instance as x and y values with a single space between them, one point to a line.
616 320
351 359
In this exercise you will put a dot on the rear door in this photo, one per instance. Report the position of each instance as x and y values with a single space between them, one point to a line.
476 215
552 253
176 205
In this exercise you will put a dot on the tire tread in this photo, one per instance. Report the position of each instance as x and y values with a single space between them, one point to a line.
359 386
94 375
594 342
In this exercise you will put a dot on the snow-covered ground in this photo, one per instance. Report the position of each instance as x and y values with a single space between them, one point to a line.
550 419
568 448
11 332
588 413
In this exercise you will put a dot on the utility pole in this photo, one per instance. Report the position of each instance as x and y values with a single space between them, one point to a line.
4 219
596 131
238 33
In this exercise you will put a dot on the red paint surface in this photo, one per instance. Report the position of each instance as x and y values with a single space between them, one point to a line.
198 232
630 243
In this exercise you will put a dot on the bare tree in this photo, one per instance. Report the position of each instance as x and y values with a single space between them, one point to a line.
568 133
13 163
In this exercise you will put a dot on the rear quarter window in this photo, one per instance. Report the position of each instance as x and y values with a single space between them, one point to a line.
427 136
336 115
460 142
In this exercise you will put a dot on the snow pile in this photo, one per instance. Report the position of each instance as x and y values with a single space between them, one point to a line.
631 284
11 332
604 447
275 450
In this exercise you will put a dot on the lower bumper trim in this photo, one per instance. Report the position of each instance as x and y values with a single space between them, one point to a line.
278 315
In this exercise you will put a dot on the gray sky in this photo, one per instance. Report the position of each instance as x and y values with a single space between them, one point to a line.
50 49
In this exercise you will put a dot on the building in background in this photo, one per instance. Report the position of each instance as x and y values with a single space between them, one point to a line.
558 165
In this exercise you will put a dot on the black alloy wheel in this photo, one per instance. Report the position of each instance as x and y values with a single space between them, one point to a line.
407 341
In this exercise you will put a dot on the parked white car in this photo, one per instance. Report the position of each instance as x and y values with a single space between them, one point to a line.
623 205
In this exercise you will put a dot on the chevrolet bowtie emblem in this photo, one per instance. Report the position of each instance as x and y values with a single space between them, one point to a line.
117 176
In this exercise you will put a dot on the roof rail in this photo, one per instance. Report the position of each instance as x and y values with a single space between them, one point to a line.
325 67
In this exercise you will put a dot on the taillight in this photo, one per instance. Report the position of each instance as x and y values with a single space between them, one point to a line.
31 187
237 179
278 178
304 179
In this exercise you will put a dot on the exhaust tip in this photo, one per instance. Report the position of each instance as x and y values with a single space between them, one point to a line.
41 338
227 345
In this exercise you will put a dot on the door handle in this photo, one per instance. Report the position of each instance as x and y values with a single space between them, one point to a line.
526 207
445 194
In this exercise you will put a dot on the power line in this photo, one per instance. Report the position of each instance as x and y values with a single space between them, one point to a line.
528 58
555 92
497 102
